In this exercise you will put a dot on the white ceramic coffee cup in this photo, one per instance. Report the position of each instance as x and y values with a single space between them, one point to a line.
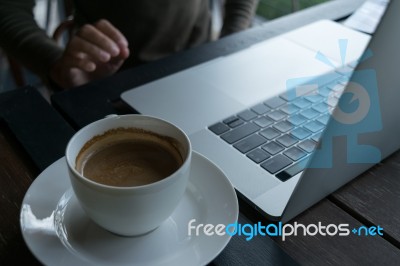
129 211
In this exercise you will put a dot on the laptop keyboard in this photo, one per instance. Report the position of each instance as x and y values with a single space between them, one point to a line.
280 133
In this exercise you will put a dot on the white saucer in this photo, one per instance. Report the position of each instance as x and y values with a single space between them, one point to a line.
58 232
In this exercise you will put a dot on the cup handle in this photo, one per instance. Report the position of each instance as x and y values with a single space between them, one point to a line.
111 115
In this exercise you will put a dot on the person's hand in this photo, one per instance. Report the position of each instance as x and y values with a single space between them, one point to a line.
95 51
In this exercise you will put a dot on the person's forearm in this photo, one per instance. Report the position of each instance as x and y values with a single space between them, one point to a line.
21 37
238 15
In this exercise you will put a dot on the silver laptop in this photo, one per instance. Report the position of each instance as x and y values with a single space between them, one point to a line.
270 116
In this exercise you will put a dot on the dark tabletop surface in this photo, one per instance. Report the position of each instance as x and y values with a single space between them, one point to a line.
33 134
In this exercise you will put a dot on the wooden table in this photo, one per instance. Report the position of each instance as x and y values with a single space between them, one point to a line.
33 134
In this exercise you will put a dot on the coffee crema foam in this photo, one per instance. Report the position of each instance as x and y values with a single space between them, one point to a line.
128 157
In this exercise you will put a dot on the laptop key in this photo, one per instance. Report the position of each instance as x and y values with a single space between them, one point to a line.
314 98
301 103
292 170
277 115
272 148
219 128
321 108
250 143
309 113
343 80
300 133
287 140
258 155
236 123
274 102
323 119
332 101
230 119
263 121
296 119
240 132
307 145
324 91
276 163
289 108
260 108
295 153
314 126
336 86
269 133
283 126
295 94
247 115
316 137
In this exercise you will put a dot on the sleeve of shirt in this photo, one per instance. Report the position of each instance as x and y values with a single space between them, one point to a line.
238 15
21 37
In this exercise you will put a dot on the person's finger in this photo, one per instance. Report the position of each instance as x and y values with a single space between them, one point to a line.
79 45
124 54
112 32
99 39
80 61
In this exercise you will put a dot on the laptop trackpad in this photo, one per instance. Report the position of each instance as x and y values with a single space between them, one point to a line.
203 106
262 71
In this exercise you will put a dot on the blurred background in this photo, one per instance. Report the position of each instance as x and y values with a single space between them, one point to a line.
270 9
49 14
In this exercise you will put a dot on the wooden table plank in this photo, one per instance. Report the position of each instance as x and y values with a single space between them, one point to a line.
327 250
337 250
374 197
38 127
263 251
32 136
16 174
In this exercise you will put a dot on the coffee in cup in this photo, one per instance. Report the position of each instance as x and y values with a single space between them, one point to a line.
128 157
